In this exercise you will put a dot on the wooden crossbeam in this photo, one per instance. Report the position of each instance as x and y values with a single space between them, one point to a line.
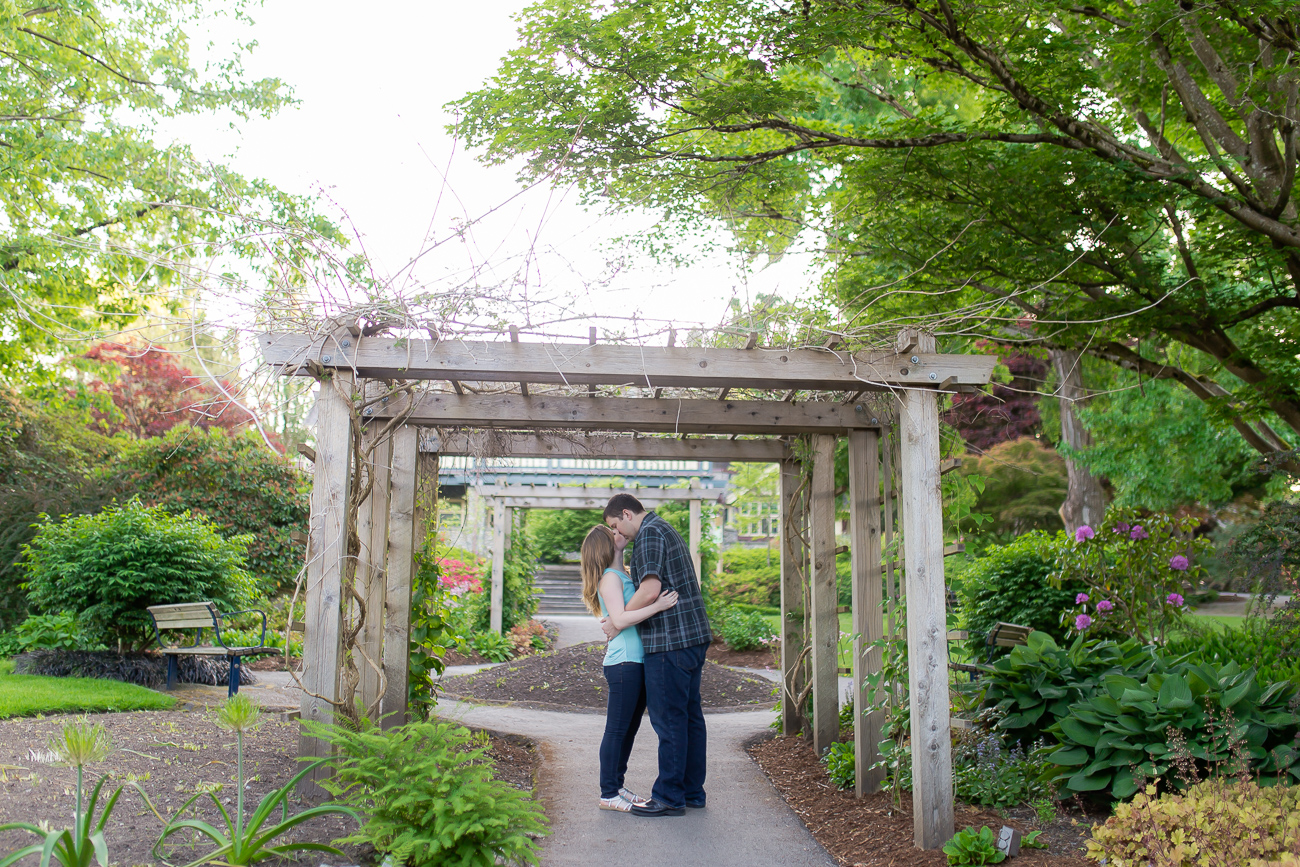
514 338
529 445
386 357
511 411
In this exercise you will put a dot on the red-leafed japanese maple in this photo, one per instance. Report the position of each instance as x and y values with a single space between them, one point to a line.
152 393
1006 412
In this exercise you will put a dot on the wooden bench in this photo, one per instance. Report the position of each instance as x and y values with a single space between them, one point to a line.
200 616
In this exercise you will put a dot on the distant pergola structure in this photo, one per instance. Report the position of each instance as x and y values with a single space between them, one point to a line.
504 499
495 399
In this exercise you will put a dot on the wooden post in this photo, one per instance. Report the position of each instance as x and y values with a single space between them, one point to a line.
891 550
401 568
499 521
825 620
326 554
696 535
372 530
927 622
868 619
794 563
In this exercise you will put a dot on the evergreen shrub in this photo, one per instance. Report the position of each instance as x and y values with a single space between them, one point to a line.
1010 583
107 568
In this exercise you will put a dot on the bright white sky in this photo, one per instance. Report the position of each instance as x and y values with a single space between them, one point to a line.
370 132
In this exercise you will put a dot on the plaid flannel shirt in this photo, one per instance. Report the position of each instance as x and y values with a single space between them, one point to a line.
660 551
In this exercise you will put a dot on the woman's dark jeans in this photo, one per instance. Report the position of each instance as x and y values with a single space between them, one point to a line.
622 719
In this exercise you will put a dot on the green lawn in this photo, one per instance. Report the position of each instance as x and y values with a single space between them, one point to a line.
28 695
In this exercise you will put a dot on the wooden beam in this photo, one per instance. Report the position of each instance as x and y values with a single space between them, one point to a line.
591 341
500 514
794 564
868 618
514 338
326 556
372 531
511 411
588 493
696 537
825 622
640 366
507 444
402 540
927 622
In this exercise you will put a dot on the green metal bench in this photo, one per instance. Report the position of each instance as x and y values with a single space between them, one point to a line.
199 616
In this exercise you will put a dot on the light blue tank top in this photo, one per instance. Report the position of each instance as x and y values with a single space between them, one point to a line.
626 646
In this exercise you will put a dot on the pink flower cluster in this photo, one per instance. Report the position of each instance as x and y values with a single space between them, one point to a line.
1084 532
458 578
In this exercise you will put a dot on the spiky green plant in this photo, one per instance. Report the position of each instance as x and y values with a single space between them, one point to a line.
77 745
241 843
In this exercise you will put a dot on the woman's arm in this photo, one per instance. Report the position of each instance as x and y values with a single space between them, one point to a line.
611 591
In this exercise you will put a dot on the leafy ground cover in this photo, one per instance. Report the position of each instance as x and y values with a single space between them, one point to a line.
28 695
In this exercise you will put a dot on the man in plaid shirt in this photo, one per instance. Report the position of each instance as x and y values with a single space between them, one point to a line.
675 641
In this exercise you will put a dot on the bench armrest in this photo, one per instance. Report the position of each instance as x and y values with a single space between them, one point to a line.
261 642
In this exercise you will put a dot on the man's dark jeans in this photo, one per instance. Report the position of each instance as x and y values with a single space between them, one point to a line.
622 719
672 683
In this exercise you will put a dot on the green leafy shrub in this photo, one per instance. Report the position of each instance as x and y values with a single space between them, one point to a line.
1011 583
1024 485
9 644
742 630
558 533
444 808
492 647
432 629
1136 568
1123 733
840 762
749 575
985 771
969 847
234 481
109 567
50 632
1216 822
1256 642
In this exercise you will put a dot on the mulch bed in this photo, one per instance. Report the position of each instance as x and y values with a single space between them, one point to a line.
171 754
877 832
573 678
720 653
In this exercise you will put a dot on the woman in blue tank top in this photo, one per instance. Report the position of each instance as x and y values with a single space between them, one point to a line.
606 588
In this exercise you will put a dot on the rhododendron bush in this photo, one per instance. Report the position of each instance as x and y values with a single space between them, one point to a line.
1136 568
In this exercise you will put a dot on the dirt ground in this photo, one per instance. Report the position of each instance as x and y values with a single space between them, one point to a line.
573 678
876 832
172 755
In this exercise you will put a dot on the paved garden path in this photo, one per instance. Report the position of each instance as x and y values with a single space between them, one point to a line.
745 824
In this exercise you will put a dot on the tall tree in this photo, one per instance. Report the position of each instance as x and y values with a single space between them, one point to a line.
1115 178
99 218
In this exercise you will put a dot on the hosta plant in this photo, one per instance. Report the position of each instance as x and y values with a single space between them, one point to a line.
969 847
78 744
1123 732
242 842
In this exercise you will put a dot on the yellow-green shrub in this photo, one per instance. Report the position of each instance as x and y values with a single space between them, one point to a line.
1215 823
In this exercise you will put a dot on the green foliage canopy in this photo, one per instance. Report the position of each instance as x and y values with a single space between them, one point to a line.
1110 177
94 207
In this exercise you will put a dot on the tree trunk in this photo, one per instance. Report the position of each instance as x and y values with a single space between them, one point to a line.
1085 501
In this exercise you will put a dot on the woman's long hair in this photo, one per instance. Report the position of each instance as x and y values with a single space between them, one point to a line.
597 556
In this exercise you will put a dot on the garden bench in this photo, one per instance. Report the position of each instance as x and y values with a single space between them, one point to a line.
1001 635
200 616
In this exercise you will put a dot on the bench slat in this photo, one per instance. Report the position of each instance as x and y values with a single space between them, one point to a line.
218 651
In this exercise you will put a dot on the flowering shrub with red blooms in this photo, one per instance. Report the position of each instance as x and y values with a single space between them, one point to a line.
1136 567
459 578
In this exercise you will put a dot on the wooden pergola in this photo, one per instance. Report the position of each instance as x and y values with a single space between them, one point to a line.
504 393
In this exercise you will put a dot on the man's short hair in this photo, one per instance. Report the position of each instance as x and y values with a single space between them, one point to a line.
620 503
